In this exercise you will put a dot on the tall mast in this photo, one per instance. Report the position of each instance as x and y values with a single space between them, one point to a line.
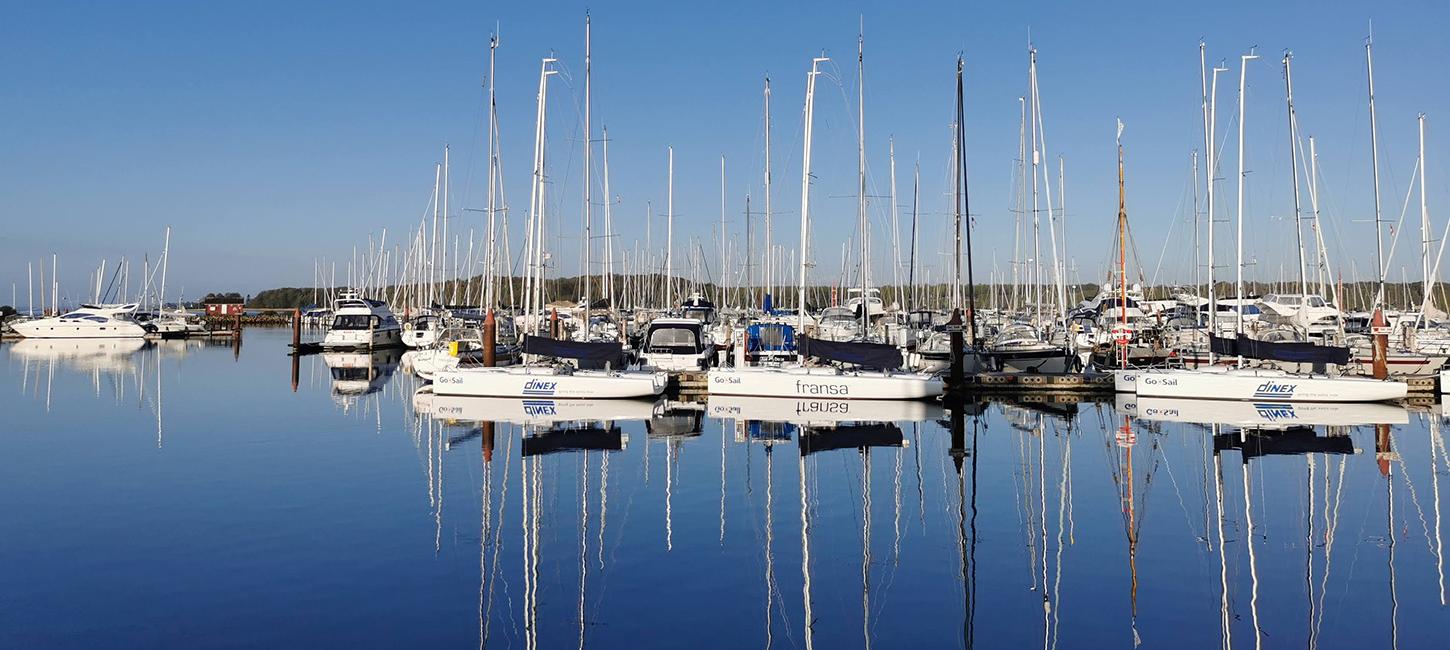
1036 160
806 190
1211 159
670 233
1321 253
862 222
1239 260
769 266
1039 138
444 260
1294 166
608 271
166 258
1208 155
895 225
1379 243
534 255
1425 233
588 147
720 290
964 205
1122 245
911 261
491 258
432 242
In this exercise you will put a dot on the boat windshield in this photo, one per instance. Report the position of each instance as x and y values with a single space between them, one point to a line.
673 340
354 322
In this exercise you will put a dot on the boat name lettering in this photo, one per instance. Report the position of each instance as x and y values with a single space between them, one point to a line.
838 408
1274 389
807 388
1276 412
1166 381
536 387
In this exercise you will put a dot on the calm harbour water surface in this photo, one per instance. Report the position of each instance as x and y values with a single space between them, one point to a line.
182 494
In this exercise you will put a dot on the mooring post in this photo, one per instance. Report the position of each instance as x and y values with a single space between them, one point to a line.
490 339
554 323
955 378
1379 329
296 328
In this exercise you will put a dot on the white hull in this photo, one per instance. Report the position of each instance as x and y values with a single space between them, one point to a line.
818 411
1265 386
68 328
531 411
546 382
1263 414
823 382
1126 381
416 338
362 339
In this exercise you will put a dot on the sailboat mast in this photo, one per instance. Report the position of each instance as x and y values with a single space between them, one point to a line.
895 225
1211 158
1239 260
1294 166
862 222
769 266
806 190
670 232
1208 155
607 274
491 258
588 149
1379 243
1425 233
965 201
1122 249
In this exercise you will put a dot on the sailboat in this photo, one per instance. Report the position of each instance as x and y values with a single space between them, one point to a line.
1257 384
556 367
867 370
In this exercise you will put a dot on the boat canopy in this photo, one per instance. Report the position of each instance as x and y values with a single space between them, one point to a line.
868 355
604 351
1293 351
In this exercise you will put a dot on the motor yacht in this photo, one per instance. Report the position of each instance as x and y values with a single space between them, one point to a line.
361 324
87 322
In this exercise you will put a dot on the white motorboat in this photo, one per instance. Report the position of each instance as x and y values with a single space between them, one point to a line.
532 411
676 344
554 380
361 324
807 410
87 322
1248 414
422 331
1263 385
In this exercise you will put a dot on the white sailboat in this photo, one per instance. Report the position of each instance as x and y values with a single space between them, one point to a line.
1252 384
880 381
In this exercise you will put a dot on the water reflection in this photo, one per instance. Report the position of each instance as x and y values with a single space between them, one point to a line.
549 523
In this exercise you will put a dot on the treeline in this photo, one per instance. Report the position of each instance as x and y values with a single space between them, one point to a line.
1355 295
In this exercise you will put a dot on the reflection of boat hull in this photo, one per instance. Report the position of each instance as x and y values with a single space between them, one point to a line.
1294 441
1261 414
823 382
815 411
82 354
549 382
360 373
1265 386
530 411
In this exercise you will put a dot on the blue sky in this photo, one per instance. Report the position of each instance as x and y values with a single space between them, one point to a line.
270 134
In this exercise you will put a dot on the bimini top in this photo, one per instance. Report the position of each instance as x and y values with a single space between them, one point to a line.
604 351
866 355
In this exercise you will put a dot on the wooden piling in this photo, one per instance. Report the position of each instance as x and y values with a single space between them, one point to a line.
1379 328
490 339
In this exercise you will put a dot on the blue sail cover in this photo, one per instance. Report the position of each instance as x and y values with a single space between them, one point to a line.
866 355
1291 351
603 352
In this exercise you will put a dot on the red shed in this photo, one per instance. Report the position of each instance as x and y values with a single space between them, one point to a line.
223 308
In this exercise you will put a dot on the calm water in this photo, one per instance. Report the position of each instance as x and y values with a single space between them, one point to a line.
180 494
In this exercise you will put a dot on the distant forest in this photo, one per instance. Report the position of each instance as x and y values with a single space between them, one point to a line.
1356 295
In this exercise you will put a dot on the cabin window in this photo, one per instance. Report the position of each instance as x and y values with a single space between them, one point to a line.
354 322
673 340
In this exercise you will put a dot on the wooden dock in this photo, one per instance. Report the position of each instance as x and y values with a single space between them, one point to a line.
1021 382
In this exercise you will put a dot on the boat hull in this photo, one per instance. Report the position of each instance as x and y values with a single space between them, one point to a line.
548 382
63 328
362 339
1265 386
823 382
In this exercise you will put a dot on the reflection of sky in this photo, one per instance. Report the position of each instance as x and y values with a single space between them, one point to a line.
288 519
